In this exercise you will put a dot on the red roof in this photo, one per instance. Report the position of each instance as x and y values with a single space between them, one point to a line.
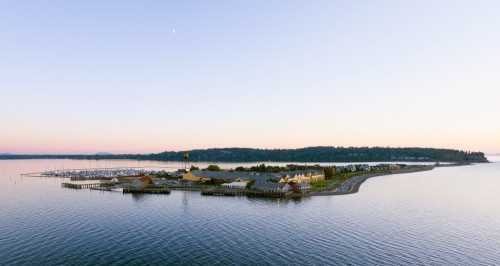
146 179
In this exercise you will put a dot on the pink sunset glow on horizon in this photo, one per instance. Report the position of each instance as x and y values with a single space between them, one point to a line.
330 75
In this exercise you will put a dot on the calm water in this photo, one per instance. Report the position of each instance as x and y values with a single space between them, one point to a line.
449 216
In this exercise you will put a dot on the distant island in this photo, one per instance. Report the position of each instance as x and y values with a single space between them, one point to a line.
308 154
103 153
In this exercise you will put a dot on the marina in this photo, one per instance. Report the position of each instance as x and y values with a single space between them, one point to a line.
81 186
97 173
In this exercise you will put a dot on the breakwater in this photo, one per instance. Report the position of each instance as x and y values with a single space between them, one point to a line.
352 185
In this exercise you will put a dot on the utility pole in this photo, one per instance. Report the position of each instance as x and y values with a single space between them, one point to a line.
186 160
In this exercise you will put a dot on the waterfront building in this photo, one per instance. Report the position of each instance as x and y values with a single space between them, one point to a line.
302 177
363 167
142 182
381 167
236 185
340 169
394 167
266 186
351 168
193 176
266 181
166 182
227 176
304 187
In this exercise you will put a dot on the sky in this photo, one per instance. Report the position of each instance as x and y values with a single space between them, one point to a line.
148 76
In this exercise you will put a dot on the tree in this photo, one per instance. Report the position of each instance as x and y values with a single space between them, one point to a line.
259 168
250 184
213 167
329 172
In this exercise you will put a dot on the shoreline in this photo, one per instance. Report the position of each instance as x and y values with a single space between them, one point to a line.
348 186
352 185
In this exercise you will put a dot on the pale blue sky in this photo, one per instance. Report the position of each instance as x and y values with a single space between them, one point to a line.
146 76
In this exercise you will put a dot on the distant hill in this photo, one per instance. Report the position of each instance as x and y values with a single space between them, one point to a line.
310 154
103 153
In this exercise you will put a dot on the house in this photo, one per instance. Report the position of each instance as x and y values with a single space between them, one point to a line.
382 167
227 176
303 187
340 169
302 176
363 167
236 185
192 176
179 173
266 186
142 182
166 182
394 167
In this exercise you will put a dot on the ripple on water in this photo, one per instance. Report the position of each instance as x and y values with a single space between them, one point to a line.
390 222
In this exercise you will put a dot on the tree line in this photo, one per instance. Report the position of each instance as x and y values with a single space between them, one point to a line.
310 154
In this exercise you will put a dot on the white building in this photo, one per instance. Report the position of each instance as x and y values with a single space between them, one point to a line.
236 185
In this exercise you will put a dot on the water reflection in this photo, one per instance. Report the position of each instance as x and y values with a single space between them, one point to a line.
441 217
278 201
139 197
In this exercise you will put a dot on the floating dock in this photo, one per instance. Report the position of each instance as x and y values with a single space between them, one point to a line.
247 192
80 186
223 192
147 191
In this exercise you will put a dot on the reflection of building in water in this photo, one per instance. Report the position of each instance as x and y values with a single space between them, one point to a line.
279 202
185 199
138 197
142 182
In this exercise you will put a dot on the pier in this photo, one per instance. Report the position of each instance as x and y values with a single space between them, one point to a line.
80 186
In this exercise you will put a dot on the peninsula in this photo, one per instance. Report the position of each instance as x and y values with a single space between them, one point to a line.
262 180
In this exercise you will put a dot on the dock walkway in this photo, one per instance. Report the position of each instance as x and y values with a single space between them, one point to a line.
80 186
147 191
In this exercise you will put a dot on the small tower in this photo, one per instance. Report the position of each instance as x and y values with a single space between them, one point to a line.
186 160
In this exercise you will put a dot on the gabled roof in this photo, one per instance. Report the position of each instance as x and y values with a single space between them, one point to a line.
301 172
239 183
232 175
146 179
267 186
